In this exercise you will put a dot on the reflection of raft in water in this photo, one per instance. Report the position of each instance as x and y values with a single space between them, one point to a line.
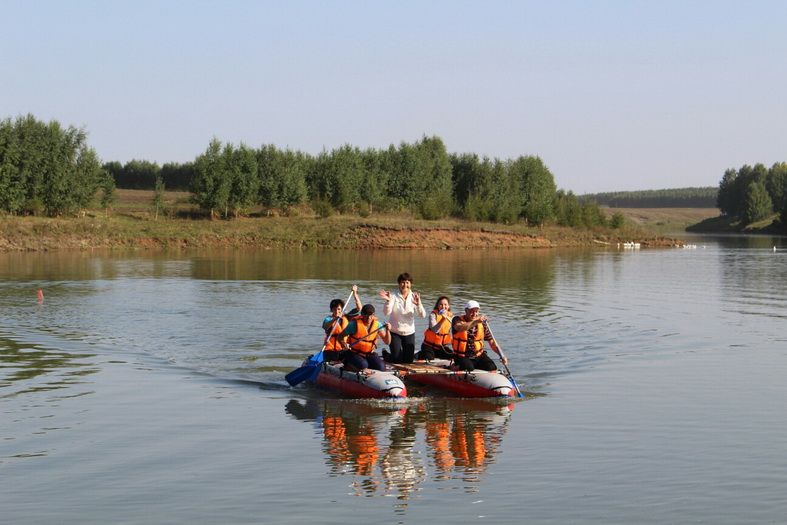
438 374
366 384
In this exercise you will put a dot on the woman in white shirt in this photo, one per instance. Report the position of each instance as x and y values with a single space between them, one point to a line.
401 308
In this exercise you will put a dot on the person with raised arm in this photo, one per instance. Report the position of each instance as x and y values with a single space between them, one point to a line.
335 324
401 308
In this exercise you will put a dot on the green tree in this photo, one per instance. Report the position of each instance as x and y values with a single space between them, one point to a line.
373 190
536 188
241 165
12 180
344 177
592 215
568 210
433 173
45 167
727 199
757 203
108 195
466 173
617 221
285 177
211 185
158 195
777 189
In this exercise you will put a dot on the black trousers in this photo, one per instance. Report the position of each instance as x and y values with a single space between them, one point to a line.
429 353
360 362
482 362
402 348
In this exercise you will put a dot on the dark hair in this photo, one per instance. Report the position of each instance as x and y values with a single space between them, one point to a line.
337 302
440 299
404 277
368 309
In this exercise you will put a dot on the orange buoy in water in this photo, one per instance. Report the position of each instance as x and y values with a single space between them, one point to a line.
40 295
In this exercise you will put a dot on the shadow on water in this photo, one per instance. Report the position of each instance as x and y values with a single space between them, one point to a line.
380 445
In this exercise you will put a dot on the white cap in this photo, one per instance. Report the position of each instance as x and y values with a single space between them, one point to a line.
472 304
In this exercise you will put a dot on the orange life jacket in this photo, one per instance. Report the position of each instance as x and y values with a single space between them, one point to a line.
334 341
459 342
362 341
442 336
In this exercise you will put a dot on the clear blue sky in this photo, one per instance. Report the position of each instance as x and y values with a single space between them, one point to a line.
612 95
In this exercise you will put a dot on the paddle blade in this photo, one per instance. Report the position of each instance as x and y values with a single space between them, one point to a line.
303 373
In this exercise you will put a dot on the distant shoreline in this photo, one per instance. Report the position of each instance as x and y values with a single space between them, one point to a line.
95 231
133 224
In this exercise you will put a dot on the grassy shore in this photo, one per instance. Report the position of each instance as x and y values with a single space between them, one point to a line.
133 224
666 221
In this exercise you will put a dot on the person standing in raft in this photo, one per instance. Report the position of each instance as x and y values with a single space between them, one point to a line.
401 308
469 333
333 344
437 338
362 333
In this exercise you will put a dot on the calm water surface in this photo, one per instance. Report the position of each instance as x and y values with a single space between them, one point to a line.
150 389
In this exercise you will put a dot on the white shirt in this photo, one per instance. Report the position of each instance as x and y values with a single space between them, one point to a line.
401 313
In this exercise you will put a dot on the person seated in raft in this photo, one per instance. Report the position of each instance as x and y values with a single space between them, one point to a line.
469 333
333 344
437 338
362 333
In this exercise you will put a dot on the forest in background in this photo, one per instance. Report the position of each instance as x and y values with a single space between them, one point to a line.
695 197
49 169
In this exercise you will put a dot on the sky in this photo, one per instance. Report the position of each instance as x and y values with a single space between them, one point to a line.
611 95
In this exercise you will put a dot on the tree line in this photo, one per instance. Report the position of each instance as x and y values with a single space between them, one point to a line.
46 168
696 197
228 180
143 174
753 193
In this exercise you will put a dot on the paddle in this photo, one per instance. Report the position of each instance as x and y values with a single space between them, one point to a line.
508 372
311 369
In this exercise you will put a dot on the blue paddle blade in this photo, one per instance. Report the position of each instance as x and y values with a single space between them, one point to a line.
301 374
315 373
308 371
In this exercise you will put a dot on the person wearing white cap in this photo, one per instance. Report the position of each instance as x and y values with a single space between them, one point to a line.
469 331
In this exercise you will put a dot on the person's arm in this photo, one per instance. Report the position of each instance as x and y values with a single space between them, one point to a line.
357 298
385 332
434 326
390 300
460 325
327 323
419 307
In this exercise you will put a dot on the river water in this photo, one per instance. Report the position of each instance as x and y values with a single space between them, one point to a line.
150 389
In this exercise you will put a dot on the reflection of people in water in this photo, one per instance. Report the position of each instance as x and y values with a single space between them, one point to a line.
466 442
462 436
403 470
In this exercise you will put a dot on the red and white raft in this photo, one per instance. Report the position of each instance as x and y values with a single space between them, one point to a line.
438 374
373 384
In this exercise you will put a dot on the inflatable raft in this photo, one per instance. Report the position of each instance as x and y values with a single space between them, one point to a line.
437 374
365 384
